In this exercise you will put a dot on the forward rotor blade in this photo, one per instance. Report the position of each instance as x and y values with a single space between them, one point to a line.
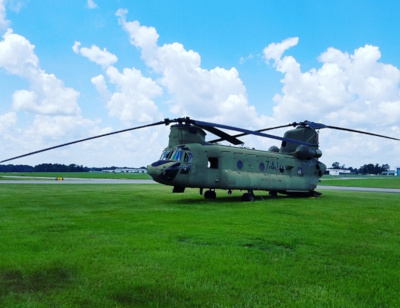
251 132
258 130
220 133
85 139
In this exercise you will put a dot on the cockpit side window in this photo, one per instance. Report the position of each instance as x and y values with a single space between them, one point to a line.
188 157
164 155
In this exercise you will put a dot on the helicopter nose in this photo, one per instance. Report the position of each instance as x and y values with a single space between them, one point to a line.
163 171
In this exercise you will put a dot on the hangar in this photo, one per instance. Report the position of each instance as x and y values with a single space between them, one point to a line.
332 171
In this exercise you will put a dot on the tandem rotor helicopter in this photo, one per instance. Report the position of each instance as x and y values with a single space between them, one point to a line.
189 161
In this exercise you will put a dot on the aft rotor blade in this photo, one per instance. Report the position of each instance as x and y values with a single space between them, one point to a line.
85 139
320 125
251 132
360 132
258 130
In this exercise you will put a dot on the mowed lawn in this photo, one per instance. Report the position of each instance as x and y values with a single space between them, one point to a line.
142 246
362 181
82 175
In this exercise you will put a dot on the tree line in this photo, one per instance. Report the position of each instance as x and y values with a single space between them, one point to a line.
365 169
44 168
53 168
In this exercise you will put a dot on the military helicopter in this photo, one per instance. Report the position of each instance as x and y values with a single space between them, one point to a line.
189 161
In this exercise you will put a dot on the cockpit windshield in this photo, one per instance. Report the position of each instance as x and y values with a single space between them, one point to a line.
179 153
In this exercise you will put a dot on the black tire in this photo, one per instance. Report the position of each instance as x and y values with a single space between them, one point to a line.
210 194
248 197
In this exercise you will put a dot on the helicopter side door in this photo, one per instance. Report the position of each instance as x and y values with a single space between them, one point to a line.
213 171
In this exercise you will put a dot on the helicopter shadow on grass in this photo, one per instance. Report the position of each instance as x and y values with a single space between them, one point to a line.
237 199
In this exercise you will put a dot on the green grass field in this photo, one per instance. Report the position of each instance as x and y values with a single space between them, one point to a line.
362 181
142 246
84 175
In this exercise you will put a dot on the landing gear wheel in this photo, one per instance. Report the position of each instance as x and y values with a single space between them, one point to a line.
210 194
273 193
315 194
248 197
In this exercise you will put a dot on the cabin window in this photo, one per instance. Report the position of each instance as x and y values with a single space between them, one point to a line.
300 171
239 165
281 169
213 162
262 167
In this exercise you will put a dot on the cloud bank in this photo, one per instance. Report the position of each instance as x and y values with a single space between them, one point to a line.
347 88
350 89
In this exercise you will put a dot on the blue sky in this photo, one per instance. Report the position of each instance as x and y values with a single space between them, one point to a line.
72 69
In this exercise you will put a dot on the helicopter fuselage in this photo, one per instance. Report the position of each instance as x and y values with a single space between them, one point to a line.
214 166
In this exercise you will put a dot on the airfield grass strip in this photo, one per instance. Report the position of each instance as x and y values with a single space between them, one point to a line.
141 246
83 175
362 181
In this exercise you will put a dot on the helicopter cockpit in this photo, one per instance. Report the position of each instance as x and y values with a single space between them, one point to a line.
172 161
178 153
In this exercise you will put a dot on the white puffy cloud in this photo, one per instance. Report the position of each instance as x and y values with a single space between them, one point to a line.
351 90
7 121
100 83
140 36
130 97
17 55
275 51
132 100
47 94
217 94
391 110
55 127
348 88
49 109
95 54
3 20
91 4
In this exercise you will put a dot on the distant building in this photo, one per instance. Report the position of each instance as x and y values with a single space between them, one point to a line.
127 170
398 171
331 171
389 172
131 170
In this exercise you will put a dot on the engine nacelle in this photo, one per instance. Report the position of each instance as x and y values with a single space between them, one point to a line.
304 152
